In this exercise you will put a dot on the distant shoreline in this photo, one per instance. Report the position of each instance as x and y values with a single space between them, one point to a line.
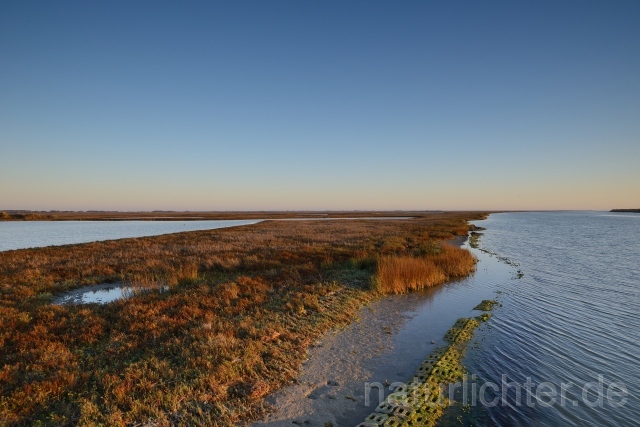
197 216
625 210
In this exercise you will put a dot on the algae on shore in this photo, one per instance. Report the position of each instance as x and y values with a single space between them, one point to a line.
421 402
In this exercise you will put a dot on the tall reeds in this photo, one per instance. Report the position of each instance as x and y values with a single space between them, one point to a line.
398 274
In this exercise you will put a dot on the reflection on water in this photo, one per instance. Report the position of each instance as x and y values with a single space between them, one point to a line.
103 293
100 294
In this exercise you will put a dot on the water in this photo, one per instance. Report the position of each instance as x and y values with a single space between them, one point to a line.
101 294
572 318
30 234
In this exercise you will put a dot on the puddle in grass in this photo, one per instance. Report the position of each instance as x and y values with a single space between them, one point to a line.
103 293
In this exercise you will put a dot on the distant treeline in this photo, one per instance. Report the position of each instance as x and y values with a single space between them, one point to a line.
626 210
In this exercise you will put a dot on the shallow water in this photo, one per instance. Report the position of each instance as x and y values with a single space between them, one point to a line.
32 234
432 313
573 317
103 293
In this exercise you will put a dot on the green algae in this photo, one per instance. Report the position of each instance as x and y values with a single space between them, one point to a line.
484 317
422 402
474 239
486 305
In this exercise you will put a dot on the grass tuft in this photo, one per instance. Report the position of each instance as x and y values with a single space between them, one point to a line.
398 274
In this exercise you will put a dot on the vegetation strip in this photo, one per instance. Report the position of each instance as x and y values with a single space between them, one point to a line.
23 215
422 401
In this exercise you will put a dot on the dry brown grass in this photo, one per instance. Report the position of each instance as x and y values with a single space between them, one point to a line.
398 274
242 306
454 262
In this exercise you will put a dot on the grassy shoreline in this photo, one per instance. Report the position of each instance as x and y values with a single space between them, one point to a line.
194 215
243 306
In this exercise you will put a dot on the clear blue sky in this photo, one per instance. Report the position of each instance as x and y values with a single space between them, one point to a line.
249 105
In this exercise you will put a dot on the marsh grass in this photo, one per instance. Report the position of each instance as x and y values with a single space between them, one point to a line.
24 215
396 274
143 284
242 307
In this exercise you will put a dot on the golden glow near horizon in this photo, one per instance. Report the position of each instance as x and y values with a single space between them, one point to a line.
480 196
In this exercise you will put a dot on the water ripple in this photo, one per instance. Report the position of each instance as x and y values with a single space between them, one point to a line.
572 317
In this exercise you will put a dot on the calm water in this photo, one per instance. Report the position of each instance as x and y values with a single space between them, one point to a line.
31 234
101 293
574 316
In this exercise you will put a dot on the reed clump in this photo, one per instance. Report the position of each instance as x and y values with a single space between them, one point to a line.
454 262
396 274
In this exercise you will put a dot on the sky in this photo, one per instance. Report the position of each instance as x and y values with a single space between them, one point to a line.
300 105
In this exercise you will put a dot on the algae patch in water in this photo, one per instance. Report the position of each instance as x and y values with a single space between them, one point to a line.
484 317
486 305
474 240
422 402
